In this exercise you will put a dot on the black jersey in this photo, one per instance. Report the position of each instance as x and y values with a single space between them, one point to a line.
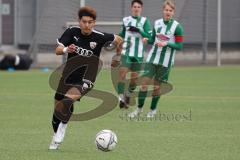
87 47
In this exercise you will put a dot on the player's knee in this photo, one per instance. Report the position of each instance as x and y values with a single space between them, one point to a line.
144 87
122 74
73 96
134 76
156 91
157 88
73 93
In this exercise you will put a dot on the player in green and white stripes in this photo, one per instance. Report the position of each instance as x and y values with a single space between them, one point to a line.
134 29
167 37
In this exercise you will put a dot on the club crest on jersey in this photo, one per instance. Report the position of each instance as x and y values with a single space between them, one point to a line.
93 45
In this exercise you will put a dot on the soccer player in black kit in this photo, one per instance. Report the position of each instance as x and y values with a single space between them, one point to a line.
82 44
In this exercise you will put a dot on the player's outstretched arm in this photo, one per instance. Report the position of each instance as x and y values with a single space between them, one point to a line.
60 50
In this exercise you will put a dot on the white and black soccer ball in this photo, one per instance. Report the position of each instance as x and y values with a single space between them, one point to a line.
106 140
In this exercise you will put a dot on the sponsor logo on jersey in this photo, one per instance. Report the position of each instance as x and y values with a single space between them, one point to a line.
84 52
93 45
162 37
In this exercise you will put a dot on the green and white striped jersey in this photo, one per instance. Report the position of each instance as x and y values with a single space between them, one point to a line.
163 31
133 45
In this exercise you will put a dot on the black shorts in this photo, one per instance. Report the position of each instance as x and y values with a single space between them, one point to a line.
73 80
65 85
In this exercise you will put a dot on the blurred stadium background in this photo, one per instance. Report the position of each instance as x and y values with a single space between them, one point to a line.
32 26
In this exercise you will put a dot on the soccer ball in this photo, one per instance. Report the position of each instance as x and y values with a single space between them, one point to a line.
106 140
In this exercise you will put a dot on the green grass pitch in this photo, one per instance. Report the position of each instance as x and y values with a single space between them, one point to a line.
202 119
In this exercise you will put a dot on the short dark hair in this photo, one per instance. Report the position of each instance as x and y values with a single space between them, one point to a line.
87 11
137 1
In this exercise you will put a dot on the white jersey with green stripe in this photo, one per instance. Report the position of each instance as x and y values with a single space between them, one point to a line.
133 46
163 32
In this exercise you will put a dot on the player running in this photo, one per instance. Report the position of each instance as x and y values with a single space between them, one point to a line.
81 44
167 37
134 29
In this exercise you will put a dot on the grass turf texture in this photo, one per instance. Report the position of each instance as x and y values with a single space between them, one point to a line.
212 132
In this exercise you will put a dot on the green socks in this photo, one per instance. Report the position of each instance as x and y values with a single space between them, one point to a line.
120 87
155 100
141 98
